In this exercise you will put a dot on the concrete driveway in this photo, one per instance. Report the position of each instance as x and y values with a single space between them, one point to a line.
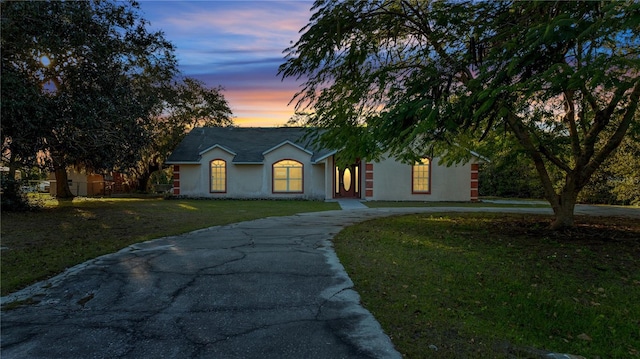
269 288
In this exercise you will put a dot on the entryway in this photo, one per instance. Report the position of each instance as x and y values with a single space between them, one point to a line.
347 181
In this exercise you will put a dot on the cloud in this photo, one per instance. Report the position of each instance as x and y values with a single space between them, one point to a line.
256 97
254 28
237 45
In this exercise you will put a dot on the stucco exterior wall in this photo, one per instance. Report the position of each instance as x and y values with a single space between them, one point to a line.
392 181
385 180
329 187
250 180
313 175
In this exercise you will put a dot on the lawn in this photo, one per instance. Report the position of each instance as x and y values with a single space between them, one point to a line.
495 285
520 203
37 245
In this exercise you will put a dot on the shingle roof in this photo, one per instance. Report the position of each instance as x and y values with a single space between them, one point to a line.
247 143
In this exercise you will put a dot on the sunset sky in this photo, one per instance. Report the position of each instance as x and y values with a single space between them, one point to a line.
237 45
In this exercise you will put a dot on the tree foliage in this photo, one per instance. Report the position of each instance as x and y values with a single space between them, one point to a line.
413 78
617 181
79 80
186 104
509 172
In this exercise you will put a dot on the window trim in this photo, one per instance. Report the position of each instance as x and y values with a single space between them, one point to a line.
211 190
429 172
273 178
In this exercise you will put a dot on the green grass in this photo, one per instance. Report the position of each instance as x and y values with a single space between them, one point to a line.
492 285
383 204
43 243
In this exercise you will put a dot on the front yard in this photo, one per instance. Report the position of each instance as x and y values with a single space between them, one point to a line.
495 285
474 285
40 244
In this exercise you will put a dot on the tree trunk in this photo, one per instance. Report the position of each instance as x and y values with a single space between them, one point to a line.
143 178
12 197
143 181
62 183
563 210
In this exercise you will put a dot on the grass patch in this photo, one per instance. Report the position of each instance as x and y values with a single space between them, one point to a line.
386 204
488 285
37 245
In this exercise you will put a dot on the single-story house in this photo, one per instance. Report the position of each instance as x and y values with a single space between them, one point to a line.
82 183
237 162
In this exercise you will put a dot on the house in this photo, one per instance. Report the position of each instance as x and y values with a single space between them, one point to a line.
82 183
233 162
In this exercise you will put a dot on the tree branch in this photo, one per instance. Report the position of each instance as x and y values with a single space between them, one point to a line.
570 119
525 140
617 137
602 118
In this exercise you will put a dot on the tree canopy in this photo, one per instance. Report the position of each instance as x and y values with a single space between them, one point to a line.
186 104
79 80
412 78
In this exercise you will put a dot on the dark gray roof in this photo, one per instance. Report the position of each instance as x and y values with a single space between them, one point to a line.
247 143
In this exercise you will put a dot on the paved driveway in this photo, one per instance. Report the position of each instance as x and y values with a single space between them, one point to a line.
269 288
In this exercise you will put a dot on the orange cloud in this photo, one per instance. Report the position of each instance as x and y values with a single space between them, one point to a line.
260 108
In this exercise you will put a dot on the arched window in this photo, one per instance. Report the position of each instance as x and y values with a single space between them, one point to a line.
421 177
287 176
218 176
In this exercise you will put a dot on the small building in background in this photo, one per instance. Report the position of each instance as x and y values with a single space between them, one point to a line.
87 185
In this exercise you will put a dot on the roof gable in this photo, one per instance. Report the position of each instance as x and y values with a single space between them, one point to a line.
247 144
214 147
287 142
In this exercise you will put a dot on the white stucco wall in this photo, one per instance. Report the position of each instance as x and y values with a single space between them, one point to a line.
392 182
329 188
251 180
313 175
391 179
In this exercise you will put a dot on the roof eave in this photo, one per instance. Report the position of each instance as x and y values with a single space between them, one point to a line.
182 162
324 157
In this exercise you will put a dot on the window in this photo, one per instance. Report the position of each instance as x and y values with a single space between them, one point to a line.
287 176
218 176
421 180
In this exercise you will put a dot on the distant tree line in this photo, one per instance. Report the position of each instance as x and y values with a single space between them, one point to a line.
511 174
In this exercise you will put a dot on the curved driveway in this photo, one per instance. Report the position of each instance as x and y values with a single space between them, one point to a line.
268 288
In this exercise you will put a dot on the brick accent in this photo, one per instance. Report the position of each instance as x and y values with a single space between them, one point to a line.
474 181
368 180
176 179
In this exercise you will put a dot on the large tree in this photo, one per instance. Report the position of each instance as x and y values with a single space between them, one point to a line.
415 77
187 103
82 79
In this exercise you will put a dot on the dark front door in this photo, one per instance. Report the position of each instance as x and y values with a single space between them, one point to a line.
347 181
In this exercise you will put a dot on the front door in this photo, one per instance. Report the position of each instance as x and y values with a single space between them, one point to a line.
347 181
